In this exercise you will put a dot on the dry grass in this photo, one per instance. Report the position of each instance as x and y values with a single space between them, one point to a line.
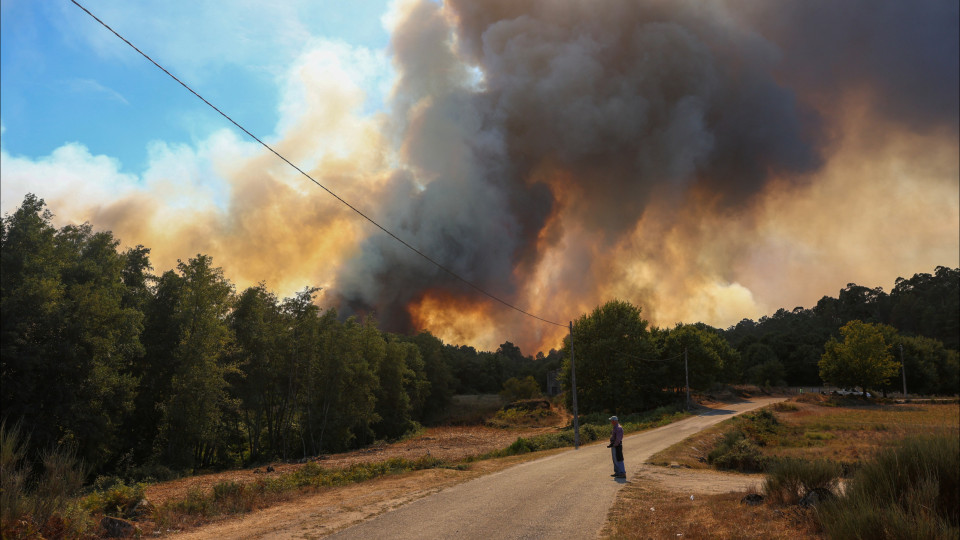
816 427
649 510
845 431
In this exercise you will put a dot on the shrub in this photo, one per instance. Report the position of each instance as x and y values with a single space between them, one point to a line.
909 491
196 503
41 503
743 455
231 497
113 497
785 406
789 479
761 426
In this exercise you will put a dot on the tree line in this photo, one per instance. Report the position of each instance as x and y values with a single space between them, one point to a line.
180 371
921 314
858 339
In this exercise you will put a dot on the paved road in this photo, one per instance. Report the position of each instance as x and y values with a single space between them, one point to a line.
565 495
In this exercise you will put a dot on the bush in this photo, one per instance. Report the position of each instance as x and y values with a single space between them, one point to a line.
785 406
909 491
761 426
113 497
789 479
742 455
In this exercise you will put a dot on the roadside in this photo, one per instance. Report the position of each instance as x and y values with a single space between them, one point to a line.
334 509
451 443
677 494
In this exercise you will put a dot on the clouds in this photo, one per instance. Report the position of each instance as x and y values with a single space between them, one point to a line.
229 197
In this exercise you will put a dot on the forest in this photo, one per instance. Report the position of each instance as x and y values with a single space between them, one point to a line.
147 375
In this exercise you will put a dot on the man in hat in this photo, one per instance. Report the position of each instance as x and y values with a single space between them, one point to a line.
616 448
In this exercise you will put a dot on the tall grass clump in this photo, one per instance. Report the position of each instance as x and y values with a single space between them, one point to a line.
908 491
42 502
789 479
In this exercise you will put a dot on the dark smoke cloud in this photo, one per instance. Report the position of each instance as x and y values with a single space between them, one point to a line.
587 112
619 100
901 55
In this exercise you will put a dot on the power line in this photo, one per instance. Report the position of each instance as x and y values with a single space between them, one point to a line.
348 205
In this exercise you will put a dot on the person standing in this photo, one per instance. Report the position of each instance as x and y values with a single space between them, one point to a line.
616 448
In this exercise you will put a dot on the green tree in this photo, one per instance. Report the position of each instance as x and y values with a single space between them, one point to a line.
192 427
862 360
613 351
709 356
30 292
68 339
438 375
262 333
526 388
764 368
342 395
305 381
931 368
401 384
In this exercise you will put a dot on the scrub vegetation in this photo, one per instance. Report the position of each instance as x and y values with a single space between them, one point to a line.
878 470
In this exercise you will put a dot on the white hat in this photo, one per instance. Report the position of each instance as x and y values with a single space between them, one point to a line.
614 418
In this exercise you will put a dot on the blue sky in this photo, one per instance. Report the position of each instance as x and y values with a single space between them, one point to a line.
67 79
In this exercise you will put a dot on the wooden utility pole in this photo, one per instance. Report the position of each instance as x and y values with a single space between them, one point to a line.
573 384
903 369
686 371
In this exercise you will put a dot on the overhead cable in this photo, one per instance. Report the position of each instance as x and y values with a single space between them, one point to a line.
348 205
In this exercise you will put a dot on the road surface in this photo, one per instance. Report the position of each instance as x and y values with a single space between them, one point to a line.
565 495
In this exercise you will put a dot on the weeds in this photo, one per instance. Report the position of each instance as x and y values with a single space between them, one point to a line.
40 503
789 479
909 491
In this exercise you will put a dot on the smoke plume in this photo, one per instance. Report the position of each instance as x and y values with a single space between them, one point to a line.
707 161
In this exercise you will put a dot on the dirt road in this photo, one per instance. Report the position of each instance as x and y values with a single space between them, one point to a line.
566 495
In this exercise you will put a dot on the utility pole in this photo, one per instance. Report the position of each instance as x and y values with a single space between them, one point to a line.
686 371
903 369
573 383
